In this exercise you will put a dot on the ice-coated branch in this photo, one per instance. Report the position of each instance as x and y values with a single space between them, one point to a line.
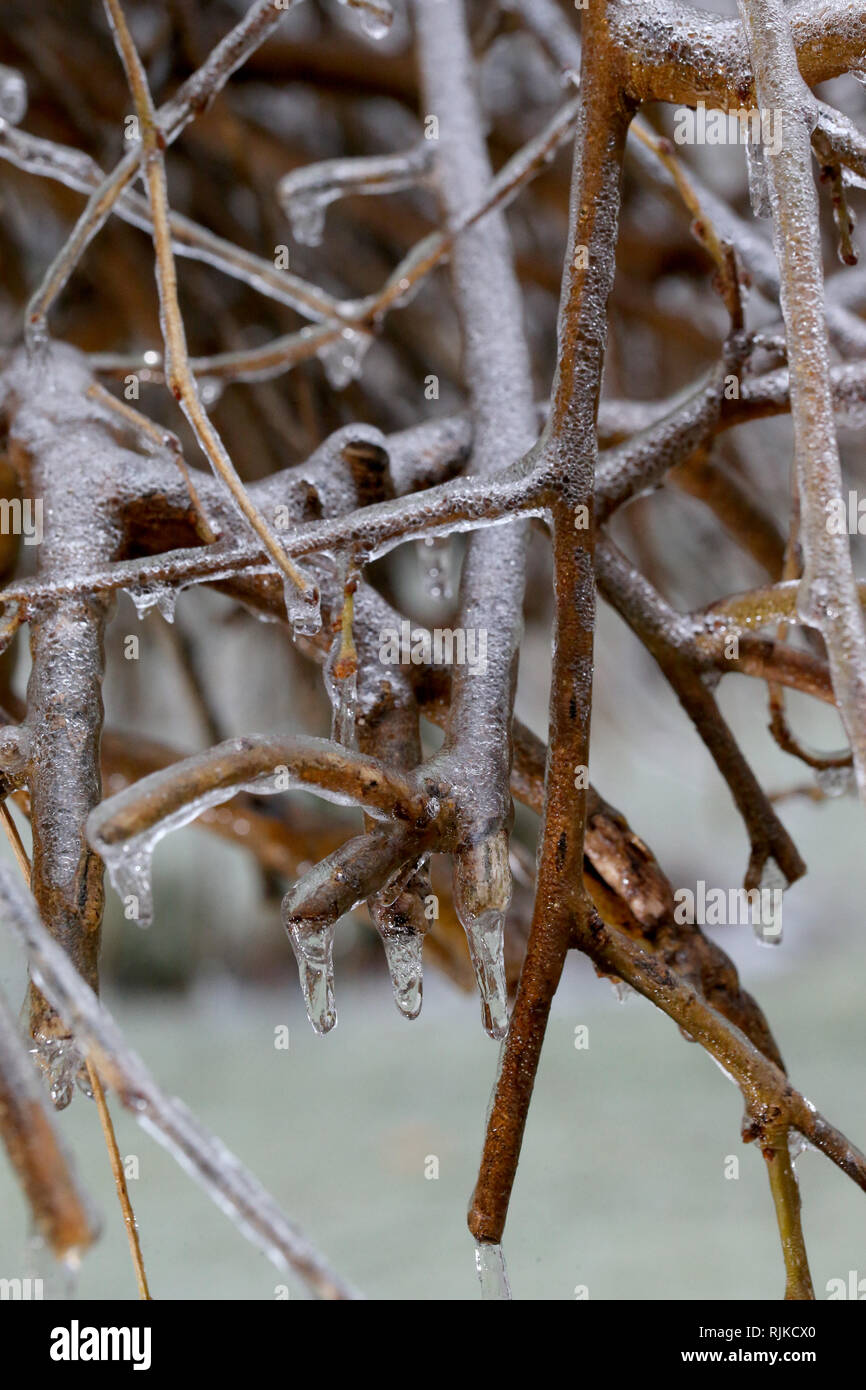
61 1214
230 1185
475 758
193 97
568 447
301 597
828 597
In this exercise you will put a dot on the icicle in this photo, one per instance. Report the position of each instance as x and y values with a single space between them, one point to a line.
773 881
490 1263
482 892
13 95
306 212
759 187
621 991
343 357
60 1061
129 868
163 597
834 781
403 952
313 944
306 193
397 911
342 691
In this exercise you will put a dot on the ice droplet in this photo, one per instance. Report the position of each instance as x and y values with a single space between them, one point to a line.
834 781
210 389
13 95
759 187
376 16
306 212
343 357
59 1060
435 555
313 945
490 1263
303 609
621 990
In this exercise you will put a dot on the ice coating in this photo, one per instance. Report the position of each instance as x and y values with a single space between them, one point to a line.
307 192
492 1273
129 859
231 1186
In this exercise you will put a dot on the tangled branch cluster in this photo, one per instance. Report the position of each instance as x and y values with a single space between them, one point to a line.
522 443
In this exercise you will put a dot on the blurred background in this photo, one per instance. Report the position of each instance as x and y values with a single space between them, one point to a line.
622 1187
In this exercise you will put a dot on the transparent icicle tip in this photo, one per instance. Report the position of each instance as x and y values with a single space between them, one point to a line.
482 892
313 945
767 924
492 1273
403 952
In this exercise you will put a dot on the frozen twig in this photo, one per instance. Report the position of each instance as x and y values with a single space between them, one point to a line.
222 1176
